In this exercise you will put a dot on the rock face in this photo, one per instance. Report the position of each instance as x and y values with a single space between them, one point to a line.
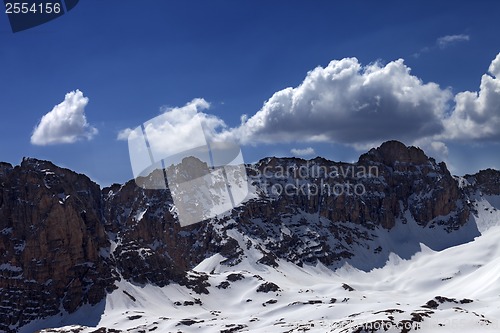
429 189
51 234
486 181
64 241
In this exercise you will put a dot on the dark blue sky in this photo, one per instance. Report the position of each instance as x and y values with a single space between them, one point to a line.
130 58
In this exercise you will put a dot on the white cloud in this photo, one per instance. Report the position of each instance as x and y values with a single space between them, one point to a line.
351 104
178 129
303 152
445 41
363 106
439 148
66 123
346 103
442 43
124 134
476 115
433 147
422 51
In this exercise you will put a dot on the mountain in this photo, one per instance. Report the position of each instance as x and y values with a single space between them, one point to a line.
393 238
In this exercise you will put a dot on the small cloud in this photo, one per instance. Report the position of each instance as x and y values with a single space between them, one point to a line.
434 148
422 51
439 148
441 43
66 123
445 41
124 134
303 152
243 118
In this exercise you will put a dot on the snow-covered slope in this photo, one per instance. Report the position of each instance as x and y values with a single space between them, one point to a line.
456 289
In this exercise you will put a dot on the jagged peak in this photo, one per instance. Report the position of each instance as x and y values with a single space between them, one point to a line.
36 163
5 168
387 153
492 173
283 161
488 180
394 151
44 167
273 160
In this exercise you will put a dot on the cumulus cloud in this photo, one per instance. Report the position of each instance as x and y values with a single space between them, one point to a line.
476 115
66 123
445 41
362 106
303 152
348 103
177 129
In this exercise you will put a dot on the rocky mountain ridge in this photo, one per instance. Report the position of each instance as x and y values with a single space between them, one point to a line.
64 242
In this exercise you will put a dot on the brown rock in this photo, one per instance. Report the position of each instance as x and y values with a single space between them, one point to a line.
51 233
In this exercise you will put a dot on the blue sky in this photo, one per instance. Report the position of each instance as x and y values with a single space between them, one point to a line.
136 59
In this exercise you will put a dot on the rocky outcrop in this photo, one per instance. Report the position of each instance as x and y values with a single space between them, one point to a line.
64 241
377 190
424 187
149 244
51 235
396 155
486 181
